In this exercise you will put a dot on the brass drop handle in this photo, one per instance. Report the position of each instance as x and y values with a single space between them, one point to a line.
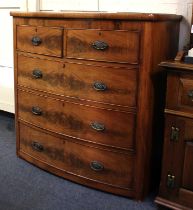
170 181
99 86
96 166
37 74
100 45
36 41
36 146
36 110
190 94
174 134
97 126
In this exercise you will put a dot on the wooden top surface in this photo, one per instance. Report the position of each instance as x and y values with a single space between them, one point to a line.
99 15
173 65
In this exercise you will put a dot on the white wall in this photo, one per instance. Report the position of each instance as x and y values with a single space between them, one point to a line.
6 53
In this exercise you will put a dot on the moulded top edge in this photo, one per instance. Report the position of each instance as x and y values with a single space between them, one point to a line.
100 15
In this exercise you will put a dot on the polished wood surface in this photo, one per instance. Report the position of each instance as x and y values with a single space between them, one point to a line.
76 120
98 91
64 79
176 187
77 159
122 46
101 15
50 40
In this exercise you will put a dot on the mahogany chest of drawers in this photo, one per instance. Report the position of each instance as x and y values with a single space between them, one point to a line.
85 86
176 188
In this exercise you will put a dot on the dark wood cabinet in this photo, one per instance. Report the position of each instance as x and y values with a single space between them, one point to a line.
176 188
85 86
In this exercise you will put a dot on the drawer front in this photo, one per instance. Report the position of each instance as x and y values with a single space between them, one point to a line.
117 46
180 92
102 84
102 126
186 91
40 40
96 164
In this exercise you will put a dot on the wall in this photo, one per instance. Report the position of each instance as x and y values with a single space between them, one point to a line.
6 53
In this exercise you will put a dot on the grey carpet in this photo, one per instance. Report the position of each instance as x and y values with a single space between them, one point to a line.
26 187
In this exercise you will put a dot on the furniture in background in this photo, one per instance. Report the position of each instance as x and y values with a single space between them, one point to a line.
88 94
176 188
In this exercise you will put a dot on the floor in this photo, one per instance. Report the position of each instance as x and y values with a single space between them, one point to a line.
26 187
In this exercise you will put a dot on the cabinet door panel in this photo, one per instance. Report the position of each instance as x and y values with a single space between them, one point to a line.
187 181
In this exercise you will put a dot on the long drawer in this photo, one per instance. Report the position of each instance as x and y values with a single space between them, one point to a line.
113 46
40 40
96 164
107 127
102 84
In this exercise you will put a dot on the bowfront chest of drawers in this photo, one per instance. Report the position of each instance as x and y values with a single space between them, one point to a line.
176 188
85 86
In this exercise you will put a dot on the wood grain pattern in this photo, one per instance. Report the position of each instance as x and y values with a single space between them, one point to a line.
75 120
131 112
76 159
123 46
101 15
77 81
51 40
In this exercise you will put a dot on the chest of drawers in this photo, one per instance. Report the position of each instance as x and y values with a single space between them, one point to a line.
176 188
85 86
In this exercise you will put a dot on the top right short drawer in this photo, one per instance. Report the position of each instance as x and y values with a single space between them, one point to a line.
112 46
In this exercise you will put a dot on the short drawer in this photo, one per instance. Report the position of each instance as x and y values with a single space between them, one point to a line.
107 127
99 165
186 91
40 40
180 92
101 84
113 46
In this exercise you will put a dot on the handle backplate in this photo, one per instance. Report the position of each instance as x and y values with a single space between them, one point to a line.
96 166
37 74
36 41
170 181
37 146
99 86
100 45
97 126
174 133
36 110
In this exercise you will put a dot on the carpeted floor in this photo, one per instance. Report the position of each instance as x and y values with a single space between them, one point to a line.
26 187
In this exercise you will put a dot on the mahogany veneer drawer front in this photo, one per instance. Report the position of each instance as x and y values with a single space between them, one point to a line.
116 46
89 162
80 81
40 40
87 123
84 89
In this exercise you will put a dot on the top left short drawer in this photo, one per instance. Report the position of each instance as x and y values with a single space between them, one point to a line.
40 40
